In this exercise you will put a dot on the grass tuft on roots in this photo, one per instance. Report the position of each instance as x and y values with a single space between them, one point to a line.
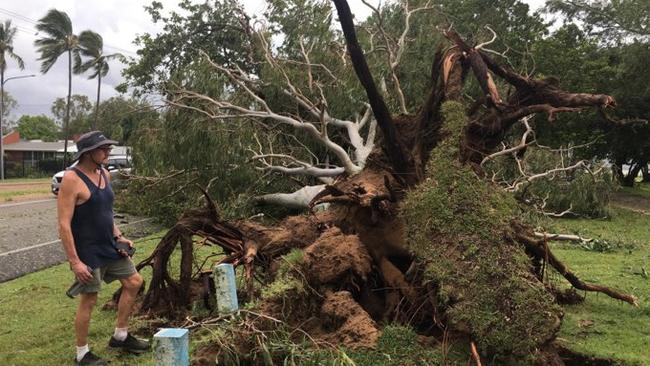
457 225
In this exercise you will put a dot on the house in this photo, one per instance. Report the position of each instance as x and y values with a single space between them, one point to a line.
23 157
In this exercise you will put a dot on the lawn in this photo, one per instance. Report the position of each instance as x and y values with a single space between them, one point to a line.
36 316
23 189
602 326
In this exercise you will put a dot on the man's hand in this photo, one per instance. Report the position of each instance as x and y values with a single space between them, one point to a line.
124 240
81 272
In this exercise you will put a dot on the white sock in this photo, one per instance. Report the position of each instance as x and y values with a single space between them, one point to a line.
120 333
81 352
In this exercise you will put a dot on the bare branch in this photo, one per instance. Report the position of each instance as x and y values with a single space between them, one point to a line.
494 37
298 199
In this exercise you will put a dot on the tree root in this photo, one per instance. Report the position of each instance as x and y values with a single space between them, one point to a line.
539 250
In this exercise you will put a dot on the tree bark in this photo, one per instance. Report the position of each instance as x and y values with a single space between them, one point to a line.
99 85
67 112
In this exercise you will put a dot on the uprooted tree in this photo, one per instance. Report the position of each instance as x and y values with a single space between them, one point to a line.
411 232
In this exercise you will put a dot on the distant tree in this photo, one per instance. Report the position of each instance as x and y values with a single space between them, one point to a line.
7 34
58 39
37 127
216 27
8 104
608 19
119 117
617 33
92 46
79 113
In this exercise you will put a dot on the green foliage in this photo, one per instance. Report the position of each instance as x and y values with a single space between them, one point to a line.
80 113
602 48
454 222
7 34
216 27
119 117
584 193
608 19
9 104
37 127
57 39
208 153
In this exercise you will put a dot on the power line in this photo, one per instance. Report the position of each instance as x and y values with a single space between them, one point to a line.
33 32
19 16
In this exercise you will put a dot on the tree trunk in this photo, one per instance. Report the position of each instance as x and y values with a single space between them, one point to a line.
67 112
630 177
99 85
646 172
2 112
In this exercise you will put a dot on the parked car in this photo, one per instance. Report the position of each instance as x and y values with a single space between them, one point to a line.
118 166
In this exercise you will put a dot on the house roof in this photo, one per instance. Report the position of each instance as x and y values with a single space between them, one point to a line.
56 146
37 145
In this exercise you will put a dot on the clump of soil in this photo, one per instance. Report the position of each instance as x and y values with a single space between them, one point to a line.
345 323
336 258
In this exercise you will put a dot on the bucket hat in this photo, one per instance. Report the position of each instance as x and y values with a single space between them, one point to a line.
90 141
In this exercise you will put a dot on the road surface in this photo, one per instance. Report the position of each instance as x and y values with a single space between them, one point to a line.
29 238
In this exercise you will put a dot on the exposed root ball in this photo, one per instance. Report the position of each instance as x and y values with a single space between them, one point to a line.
348 324
336 258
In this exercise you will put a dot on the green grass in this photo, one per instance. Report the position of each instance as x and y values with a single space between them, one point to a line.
602 326
37 318
26 180
11 195
37 187
640 189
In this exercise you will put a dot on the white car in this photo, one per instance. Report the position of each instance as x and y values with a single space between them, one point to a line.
118 166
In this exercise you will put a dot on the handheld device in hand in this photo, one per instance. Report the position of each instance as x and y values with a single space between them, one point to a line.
76 287
126 248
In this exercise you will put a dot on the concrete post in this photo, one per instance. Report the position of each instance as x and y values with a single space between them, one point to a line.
172 347
226 289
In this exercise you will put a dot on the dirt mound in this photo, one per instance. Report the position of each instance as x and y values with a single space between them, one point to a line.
346 323
336 258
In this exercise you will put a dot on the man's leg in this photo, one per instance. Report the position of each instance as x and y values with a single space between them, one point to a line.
121 338
82 320
130 287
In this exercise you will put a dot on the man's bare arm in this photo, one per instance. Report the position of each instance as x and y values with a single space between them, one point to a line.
65 208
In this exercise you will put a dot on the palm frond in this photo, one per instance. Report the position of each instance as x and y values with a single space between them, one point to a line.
55 23
59 38
91 43
7 34
18 59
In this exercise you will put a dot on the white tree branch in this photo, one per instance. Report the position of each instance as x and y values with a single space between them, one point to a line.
299 199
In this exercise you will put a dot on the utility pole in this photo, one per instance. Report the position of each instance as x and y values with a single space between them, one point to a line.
2 106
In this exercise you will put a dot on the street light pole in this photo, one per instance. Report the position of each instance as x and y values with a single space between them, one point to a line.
2 106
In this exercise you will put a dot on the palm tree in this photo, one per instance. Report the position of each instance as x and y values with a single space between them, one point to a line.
59 39
7 34
92 46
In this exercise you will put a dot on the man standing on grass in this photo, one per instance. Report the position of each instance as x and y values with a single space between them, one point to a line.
91 239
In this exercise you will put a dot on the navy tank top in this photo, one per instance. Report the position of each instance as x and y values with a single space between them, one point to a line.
92 224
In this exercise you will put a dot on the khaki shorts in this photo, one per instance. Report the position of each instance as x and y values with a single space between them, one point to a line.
114 270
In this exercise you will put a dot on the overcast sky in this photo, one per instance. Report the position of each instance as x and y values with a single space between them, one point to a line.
118 21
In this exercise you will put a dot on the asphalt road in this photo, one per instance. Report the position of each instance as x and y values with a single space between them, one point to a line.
29 238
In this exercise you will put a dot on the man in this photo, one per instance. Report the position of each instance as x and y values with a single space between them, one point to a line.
91 239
